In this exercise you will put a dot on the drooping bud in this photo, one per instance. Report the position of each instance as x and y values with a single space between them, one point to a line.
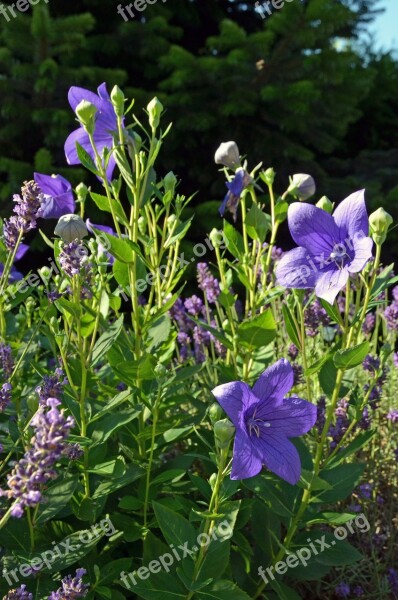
71 227
302 185
215 412
224 431
325 204
117 98
86 112
155 109
227 155
380 222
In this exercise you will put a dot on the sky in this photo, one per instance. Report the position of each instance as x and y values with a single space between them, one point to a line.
385 27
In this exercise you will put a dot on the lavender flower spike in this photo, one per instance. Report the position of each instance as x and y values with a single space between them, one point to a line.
71 587
265 420
331 248
20 593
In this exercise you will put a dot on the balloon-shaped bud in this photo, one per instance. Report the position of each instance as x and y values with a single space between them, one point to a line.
227 155
71 227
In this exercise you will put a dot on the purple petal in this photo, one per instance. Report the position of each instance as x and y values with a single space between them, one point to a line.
292 418
363 252
279 455
53 186
275 382
58 196
330 282
110 167
351 216
234 398
105 228
103 92
77 94
297 269
312 228
22 250
245 461
79 135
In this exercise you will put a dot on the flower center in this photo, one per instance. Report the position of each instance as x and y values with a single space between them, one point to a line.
255 425
339 255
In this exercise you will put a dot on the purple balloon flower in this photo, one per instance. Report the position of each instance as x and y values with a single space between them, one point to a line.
235 189
331 248
264 422
105 126
58 196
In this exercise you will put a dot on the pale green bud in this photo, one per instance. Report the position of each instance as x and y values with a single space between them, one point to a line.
216 237
224 431
170 182
86 112
325 204
380 222
171 222
71 227
269 176
117 99
155 109
81 192
215 412
142 224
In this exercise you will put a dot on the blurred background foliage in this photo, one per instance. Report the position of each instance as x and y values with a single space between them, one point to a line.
302 90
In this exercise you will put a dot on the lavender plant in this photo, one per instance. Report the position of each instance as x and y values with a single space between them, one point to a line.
217 435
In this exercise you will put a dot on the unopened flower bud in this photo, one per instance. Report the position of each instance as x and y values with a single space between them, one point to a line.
160 371
81 192
71 227
155 109
142 223
227 154
380 222
86 112
171 222
215 412
325 204
170 182
216 237
224 431
303 186
268 176
117 98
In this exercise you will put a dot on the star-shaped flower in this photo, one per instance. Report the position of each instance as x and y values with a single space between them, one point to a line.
331 247
58 196
265 420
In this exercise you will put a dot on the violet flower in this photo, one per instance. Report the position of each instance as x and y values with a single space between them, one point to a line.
105 126
20 593
208 283
27 210
52 386
58 196
265 420
71 587
331 248
235 188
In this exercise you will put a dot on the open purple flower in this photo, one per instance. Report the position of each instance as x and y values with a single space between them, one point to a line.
264 422
105 126
235 188
58 196
331 248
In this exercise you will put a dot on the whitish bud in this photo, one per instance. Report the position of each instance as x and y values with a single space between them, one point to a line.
71 227
227 154
171 222
224 431
81 192
142 223
86 112
303 186
117 98
215 412
216 237
325 204
155 109
379 222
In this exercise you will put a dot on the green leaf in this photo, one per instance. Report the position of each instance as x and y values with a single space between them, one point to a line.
118 400
284 592
340 554
124 166
159 586
257 223
57 497
175 528
343 478
291 327
131 370
179 233
222 590
102 430
259 331
106 340
332 518
67 307
264 489
347 359
361 440
121 274
121 248
327 378
158 333
132 473
86 159
310 480
103 204
233 240
332 311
